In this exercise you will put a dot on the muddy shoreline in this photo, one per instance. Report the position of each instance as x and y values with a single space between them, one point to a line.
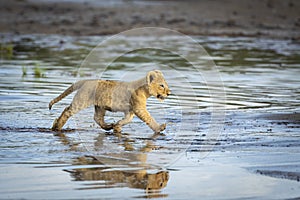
267 18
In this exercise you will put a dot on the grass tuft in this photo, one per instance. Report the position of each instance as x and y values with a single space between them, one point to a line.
24 71
38 72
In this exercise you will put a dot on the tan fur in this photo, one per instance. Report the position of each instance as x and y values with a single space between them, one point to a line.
140 179
115 96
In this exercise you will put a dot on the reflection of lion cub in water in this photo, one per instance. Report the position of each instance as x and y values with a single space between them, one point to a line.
133 179
127 97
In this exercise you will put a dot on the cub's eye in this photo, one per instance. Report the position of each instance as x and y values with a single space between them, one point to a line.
162 86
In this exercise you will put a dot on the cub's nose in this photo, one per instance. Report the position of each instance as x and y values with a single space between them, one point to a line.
169 92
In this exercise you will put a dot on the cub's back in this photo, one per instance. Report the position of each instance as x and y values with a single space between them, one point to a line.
113 95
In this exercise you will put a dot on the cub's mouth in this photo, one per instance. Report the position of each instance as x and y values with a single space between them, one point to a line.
160 97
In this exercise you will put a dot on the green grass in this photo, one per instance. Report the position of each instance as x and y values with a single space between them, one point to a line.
24 71
38 71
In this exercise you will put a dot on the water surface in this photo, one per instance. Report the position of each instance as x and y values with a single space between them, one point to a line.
260 77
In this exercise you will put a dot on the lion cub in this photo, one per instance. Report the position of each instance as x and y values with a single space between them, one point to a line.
115 96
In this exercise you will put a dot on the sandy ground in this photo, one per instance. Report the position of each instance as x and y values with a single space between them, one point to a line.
270 18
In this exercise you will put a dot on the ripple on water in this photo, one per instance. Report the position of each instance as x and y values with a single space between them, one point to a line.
258 75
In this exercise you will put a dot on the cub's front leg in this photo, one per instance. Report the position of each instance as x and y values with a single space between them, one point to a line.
127 118
145 116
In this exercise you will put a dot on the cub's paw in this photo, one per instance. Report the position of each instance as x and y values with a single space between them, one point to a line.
117 129
161 128
107 127
55 125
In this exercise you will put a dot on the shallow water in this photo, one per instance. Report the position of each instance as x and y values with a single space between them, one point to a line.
260 77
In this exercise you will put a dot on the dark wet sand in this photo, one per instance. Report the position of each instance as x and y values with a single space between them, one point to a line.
270 18
284 118
272 144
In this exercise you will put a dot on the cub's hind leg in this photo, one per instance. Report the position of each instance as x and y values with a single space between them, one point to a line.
99 118
74 108
63 118
127 118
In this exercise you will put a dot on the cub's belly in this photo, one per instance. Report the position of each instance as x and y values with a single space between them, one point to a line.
118 107
114 104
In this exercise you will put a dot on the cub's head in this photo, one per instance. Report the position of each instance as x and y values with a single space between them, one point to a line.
157 84
157 181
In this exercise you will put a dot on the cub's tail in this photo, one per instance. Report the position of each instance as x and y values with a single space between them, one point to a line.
72 88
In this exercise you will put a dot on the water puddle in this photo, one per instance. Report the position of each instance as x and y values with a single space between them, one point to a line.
259 76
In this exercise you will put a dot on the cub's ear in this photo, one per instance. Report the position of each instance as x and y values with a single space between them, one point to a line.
150 77
158 72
